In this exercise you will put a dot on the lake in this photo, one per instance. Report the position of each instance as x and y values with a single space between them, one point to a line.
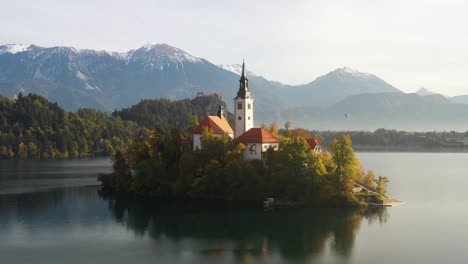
50 212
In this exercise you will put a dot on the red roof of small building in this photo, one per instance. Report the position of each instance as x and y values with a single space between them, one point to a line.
313 142
219 125
184 139
201 94
257 135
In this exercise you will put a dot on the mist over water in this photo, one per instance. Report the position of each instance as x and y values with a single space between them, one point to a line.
18 176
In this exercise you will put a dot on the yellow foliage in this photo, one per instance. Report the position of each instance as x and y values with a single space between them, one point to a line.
236 152
299 133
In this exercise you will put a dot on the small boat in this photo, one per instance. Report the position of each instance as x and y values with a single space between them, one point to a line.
268 203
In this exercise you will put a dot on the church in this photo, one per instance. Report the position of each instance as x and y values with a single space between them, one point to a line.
257 140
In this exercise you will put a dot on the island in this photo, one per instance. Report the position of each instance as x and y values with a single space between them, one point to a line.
245 164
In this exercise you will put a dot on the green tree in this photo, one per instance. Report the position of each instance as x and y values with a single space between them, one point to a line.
382 185
342 152
369 180
288 168
121 172
287 127
187 165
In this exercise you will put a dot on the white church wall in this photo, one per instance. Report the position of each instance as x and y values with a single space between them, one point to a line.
244 115
253 151
196 141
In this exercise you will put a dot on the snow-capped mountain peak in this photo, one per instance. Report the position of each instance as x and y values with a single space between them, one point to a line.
13 48
152 52
235 68
163 50
423 91
352 72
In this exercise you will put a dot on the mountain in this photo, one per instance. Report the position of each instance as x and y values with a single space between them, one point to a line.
423 92
104 80
236 69
324 90
13 48
337 85
410 112
460 99
108 80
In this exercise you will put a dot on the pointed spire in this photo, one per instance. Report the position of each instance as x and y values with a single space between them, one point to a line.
243 69
243 84
220 113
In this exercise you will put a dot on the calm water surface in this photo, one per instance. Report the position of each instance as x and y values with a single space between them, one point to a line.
50 212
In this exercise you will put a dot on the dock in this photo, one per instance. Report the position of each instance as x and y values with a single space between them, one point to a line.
387 203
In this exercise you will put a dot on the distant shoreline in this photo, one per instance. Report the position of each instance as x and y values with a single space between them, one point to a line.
388 149
421 149
357 148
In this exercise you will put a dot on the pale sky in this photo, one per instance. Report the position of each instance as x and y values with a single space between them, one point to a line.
409 44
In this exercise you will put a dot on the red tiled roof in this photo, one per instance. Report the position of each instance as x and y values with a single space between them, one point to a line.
312 143
203 94
257 135
219 125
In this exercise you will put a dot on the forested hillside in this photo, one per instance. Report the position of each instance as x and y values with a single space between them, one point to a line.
164 113
32 127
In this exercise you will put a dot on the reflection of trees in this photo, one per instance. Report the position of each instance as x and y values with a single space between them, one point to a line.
28 205
48 207
296 234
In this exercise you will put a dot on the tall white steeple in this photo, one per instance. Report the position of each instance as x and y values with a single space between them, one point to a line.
243 106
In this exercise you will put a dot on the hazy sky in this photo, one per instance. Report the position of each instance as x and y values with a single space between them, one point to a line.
410 44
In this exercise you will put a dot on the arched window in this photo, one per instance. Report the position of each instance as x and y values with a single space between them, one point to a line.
239 118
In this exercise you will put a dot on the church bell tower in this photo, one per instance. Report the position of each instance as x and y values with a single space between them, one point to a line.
243 106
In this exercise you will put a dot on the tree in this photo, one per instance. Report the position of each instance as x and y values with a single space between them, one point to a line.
299 133
22 151
214 147
287 126
121 172
33 150
382 185
40 129
348 165
213 183
369 180
347 169
288 167
108 148
187 165
274 129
